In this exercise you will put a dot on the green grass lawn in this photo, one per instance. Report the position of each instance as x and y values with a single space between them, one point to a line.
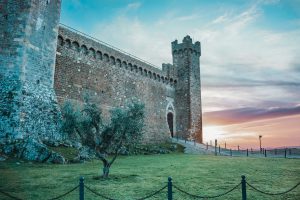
135 176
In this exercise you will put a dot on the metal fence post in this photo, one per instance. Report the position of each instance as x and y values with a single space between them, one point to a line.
230 152
275 152
206 145
284 153
244 193
219 149
216 143
170 194
265 152
81 188
247 153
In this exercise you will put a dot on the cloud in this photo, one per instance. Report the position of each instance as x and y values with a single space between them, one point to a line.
296 67
242 64
220 19
187 17
133 6
242 115
276 132
137 38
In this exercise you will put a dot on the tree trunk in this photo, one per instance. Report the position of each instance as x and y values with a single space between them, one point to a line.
106 170
106 163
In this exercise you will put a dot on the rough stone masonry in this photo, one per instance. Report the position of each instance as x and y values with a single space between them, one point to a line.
43 63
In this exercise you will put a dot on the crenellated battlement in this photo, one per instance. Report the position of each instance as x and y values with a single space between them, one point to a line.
89 50
187 44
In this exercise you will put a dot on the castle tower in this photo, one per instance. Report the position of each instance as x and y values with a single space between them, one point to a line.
188 89
28 41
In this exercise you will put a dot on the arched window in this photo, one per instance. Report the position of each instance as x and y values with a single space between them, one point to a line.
92 53
171 81
118 62
163 79
180 53
150 74
154 76
60 40
145 72
99 55
106 58
75 46
141 70
166 80
112 60
158 77
130 66
124 65
68 43
84 50
135 68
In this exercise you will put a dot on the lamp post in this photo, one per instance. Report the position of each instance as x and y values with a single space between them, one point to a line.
260 136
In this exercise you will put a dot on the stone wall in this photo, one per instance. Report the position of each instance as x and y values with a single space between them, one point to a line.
111 77
27 56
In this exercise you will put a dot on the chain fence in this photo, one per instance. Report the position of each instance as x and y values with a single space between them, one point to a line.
109 198
9 195
273 194
170 192
65 194
207 197
54 198
98 194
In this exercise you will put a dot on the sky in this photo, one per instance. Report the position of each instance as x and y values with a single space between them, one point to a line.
250 60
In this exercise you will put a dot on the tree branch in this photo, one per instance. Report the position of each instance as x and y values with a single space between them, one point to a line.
116 153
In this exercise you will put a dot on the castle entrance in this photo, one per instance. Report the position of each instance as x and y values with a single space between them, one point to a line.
170 123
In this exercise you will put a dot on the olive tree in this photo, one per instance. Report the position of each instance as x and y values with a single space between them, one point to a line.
123 131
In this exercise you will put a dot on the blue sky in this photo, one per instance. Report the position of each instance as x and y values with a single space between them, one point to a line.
250 50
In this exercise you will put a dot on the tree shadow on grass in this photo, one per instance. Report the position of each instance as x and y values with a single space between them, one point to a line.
117 177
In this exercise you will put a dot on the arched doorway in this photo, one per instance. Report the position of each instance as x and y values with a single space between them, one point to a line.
170 123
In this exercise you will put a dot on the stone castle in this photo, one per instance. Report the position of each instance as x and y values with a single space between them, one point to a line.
43 63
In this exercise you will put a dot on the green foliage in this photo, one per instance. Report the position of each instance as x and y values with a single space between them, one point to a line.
124 130
68 153
71 116
161 148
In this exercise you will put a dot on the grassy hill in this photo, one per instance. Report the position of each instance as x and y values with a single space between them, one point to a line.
136 176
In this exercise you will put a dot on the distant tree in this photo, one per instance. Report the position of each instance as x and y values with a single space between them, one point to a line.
124 130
